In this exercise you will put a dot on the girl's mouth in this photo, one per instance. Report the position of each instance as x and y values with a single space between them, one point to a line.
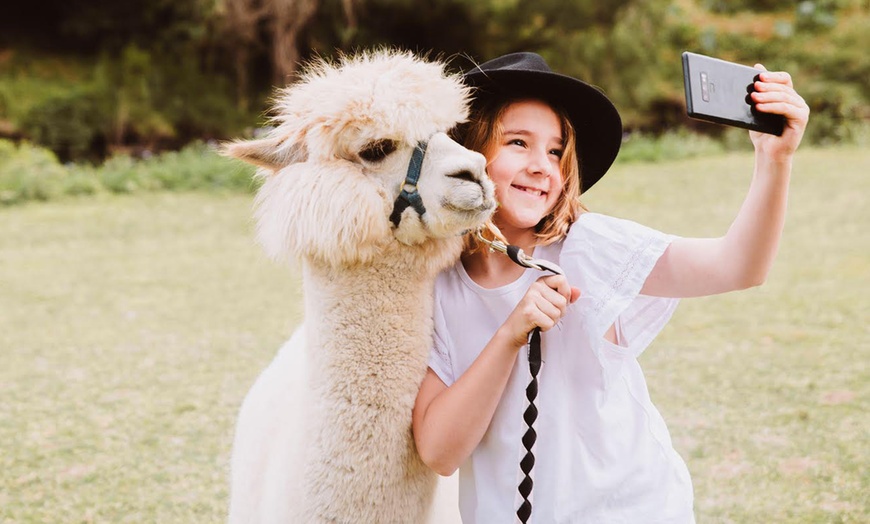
529 190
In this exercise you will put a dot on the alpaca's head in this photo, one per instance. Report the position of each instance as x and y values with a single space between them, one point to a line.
338 157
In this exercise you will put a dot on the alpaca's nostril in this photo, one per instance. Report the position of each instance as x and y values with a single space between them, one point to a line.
464 175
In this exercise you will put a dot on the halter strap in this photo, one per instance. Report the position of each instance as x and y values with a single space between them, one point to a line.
409 195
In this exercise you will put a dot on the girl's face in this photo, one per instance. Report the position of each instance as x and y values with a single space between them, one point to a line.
524 165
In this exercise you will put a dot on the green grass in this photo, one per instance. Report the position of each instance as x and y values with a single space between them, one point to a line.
132 326
130 330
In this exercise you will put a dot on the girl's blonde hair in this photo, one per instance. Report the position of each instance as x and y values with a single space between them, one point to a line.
483 133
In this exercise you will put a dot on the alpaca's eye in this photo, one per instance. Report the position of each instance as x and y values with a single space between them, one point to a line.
377 150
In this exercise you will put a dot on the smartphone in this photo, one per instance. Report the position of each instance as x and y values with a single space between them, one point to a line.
717 91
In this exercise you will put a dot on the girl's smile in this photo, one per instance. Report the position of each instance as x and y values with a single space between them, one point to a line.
530 191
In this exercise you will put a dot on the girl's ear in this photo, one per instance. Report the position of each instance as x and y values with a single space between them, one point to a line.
271 153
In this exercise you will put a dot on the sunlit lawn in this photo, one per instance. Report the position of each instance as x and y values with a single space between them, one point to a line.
131 327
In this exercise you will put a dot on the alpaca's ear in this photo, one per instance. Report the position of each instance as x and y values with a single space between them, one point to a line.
271 153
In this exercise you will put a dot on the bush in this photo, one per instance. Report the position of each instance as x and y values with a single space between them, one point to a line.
82 181
73 124
195 167
639 147
28 172
198 167
123 98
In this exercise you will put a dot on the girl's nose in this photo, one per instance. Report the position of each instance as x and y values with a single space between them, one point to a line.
539 163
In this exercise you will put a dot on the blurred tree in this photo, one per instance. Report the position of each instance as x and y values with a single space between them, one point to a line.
130 82
94 25
240 24
445 27
73 125
514 25
288 19
276 26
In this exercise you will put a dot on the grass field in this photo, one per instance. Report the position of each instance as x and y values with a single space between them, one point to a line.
131 327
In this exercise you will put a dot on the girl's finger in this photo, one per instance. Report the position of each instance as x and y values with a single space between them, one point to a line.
781 108
768 87
556 299
547 316
776 77
559 284
575 294
788 97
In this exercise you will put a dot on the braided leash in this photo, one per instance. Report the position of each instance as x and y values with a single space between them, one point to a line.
529 438
524 512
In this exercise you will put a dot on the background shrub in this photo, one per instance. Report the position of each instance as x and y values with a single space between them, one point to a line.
29 172
74 124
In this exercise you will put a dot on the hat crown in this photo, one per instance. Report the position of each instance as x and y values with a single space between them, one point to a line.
523 61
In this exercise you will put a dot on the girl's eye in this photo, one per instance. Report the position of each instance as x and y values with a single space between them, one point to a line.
557 152
517 142
377 150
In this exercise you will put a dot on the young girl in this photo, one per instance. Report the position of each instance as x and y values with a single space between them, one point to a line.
603 452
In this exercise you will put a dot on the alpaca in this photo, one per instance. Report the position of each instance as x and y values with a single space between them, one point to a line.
324 435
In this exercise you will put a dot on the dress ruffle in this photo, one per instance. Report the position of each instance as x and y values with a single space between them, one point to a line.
609 259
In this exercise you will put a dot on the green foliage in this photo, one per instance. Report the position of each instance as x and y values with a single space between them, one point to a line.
28 79
197 103
127 81
635 62
158 98
676 145
135 96
195 167
447 26
734 6
828 60
71 124
160 74
94 25
837 115
31 173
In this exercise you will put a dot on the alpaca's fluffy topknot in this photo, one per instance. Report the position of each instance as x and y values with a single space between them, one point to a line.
394 92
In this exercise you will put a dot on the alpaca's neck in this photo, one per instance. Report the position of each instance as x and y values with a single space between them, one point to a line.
369 313
368 334
369 318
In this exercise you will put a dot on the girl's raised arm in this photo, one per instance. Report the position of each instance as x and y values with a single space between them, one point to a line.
743 256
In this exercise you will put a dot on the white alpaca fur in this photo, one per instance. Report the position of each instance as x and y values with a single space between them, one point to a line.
324 435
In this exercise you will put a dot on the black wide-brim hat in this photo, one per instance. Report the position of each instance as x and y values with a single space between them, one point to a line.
594 117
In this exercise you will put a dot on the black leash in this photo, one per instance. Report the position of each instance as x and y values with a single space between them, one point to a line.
529 438
524 512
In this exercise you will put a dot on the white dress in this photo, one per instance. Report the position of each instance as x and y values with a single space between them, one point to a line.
603 452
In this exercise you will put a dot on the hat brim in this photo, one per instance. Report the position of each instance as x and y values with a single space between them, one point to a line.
596 121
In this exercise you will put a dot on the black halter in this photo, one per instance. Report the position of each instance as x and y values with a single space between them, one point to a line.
409 195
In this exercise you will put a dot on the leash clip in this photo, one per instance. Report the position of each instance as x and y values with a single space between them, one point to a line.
517 255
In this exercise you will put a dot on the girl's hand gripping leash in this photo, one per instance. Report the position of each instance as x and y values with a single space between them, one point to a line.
531 414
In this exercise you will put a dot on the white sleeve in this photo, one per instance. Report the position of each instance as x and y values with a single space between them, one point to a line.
609 259
439 356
